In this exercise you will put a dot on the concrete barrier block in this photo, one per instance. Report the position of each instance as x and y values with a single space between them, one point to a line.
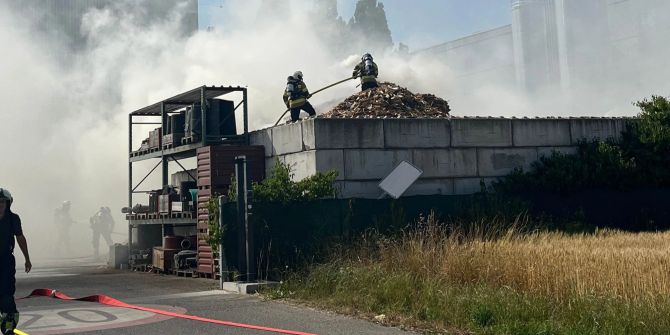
481 133
602 129
303 164
262 137
344 134
546 151
440 163
500 162
287 138
464 186
527 133
416 133
358 189
372 163
431 187
327 160
308 139
270 163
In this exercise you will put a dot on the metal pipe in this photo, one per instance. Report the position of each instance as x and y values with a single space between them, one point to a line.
246 117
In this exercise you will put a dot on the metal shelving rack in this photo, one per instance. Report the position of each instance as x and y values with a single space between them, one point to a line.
163 109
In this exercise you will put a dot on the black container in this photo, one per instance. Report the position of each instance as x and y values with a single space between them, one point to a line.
220 119
176 123
184 187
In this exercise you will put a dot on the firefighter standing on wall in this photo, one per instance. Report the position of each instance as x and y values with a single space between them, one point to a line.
367 70
102 224
296 95
10 228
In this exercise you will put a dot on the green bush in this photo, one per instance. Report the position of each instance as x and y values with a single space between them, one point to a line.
640 159
280 187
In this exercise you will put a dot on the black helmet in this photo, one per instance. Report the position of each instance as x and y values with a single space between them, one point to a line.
5 195
366 57
290 78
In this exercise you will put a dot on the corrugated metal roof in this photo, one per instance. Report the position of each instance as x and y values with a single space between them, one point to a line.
186 99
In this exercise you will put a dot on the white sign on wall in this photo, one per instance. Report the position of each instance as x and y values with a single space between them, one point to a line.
400 179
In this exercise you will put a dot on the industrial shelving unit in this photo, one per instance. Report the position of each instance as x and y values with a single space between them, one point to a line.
166 153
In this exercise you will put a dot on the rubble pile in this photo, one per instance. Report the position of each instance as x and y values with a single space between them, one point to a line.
390 101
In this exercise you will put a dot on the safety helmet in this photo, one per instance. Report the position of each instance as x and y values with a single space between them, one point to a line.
290 78
4 194
366 57
66 203
298 75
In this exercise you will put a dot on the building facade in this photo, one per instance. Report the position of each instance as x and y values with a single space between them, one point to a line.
568 47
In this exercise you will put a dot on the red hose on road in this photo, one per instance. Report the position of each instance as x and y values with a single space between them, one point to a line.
105 300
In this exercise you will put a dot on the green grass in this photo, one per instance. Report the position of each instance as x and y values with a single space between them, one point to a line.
438 306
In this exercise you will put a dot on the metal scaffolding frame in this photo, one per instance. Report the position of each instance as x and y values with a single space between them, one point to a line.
163 109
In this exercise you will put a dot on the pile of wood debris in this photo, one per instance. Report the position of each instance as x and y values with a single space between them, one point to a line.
390 101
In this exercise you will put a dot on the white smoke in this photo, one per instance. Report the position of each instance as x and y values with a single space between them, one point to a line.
64 124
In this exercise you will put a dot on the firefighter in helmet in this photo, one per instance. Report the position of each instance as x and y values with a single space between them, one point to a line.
296 95
10 230
367 70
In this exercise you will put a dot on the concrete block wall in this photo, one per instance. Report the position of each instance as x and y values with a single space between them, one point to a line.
456 155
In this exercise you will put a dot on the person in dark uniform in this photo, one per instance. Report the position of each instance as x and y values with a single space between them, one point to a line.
368 71
10 228
102 224
296 95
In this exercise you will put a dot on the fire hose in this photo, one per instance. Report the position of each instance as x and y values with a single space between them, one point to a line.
317 91
109 301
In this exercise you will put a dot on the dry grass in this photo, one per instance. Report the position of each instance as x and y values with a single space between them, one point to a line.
499 277
631 266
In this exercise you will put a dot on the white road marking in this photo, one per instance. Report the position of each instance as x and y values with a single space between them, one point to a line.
86 318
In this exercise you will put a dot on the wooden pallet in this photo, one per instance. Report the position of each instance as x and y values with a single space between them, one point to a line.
186 273
168 146
206 275
188 140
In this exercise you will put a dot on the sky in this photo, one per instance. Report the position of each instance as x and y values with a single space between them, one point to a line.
417 23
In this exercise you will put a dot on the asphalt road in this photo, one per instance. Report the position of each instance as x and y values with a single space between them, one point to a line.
200 297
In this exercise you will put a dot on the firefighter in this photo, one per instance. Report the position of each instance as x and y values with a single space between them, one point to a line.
63 221
296 95
10 229
102 224
367 70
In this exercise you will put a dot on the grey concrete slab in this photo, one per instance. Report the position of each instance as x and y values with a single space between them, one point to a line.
546 151
481 133
535 132
343 133
263 137
327 160
287 138
303 164
499 162
372 163
603 129
416 133
438 163
270 163
431 187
